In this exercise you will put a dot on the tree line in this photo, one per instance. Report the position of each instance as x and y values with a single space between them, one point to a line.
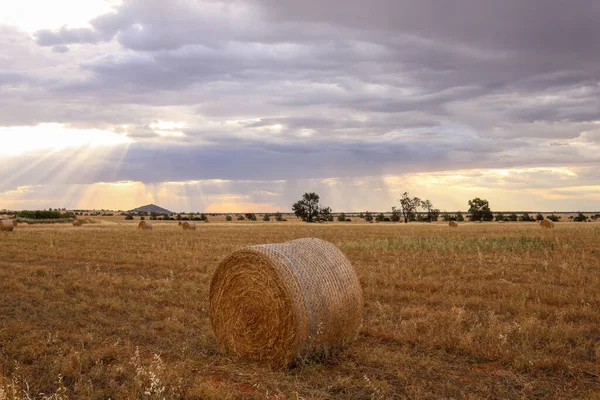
45 214
412 208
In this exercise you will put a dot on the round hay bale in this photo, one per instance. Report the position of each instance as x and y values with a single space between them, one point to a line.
547 224
453 224
179 223
77 222
6 225
189 226
15 223
145 225
276 303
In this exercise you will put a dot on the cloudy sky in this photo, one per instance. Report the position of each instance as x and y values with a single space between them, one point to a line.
227 105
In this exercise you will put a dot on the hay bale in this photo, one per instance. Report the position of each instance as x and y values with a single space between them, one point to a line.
145 225
453 224
276 303
189 226
77 222
179 223
6 225
547 224
15 223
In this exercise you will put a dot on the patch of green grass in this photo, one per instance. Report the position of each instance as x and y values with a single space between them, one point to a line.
453 244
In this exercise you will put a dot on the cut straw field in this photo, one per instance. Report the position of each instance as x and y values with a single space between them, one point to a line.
480 311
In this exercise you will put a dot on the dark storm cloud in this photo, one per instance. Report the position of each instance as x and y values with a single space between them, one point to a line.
440 53
290 160
532 26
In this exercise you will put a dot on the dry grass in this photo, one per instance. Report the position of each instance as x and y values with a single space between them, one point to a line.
485 311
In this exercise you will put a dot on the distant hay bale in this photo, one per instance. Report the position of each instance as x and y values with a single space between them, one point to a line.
276 303
189 226
77 222
179 223
6 225
453 224
547 224
145 225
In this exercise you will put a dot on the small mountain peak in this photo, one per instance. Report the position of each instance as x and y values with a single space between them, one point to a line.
152 208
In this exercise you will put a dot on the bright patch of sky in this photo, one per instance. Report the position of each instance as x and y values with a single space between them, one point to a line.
54 137
32 15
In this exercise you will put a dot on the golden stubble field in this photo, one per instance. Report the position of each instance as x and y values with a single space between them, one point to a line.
482 311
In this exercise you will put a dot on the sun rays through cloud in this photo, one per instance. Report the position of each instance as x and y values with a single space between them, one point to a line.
54 137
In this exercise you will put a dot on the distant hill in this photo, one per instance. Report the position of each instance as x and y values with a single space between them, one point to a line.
152 208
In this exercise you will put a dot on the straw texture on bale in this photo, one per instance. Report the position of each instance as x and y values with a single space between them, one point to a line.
15 223
453 224
6 225
189 225
77 222
145 225
547 224
277 303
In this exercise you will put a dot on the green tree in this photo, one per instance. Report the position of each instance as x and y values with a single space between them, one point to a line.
278 216
580 218
380 217
368 216
409 206
307 208
480 210
228 218
395 217
526 218
432 213
539 217
267 217
459 217
499 217
342 217
553 218
325 214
